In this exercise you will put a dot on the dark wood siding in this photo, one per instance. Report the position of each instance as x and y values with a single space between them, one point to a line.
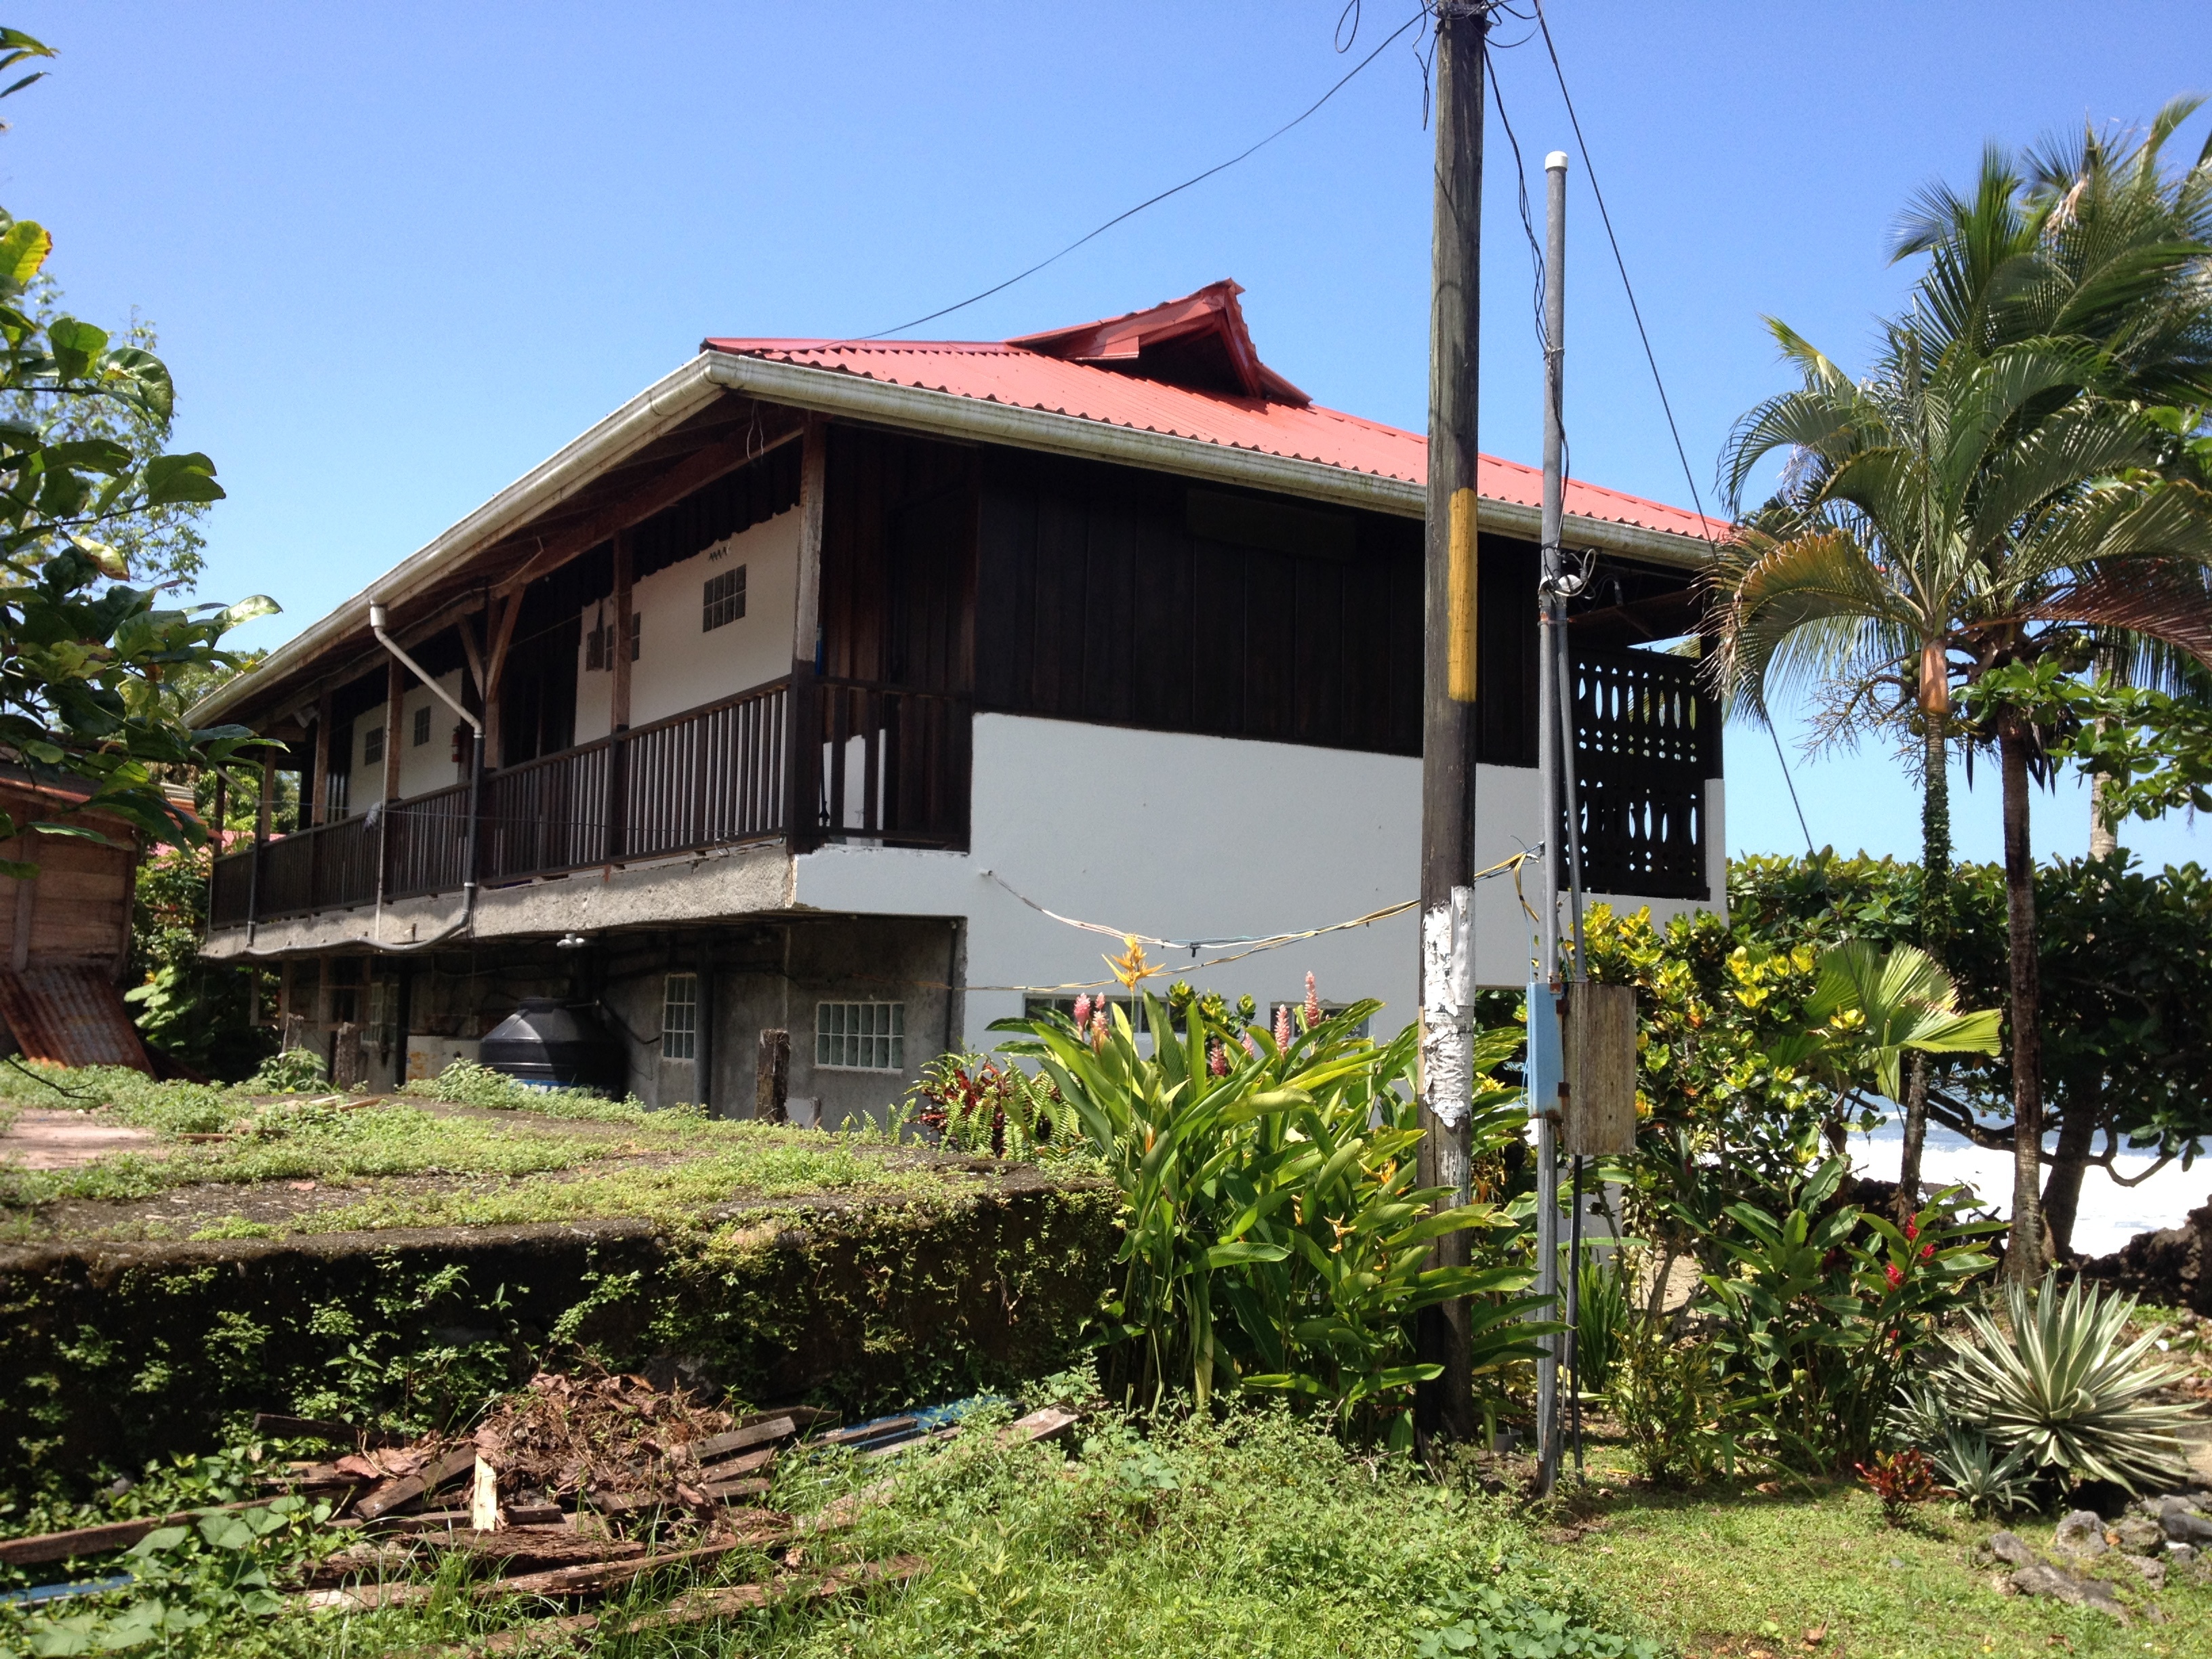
1097 601
897 558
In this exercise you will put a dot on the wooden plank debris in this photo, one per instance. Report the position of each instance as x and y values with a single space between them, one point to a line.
717 1447
392 1493
45 1547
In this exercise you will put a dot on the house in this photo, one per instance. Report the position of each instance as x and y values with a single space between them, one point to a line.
819 679
66 929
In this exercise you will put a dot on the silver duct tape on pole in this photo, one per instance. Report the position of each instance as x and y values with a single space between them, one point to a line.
1448 1031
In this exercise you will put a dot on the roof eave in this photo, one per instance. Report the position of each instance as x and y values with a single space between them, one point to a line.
661 407
837 392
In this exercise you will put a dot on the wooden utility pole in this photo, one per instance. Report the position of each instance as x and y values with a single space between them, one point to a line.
1446 1407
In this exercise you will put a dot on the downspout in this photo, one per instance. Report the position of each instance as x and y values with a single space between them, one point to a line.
376 620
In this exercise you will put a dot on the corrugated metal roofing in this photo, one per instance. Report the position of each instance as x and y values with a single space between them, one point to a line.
1011 373
70 1016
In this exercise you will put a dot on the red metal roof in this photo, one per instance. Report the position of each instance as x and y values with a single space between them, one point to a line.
70 1016
1032 372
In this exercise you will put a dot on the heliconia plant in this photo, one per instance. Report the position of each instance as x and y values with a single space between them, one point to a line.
1274 1237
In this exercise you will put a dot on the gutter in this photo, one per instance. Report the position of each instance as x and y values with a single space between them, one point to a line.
676 397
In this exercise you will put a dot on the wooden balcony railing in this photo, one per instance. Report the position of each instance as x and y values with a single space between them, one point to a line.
880 762
1646 740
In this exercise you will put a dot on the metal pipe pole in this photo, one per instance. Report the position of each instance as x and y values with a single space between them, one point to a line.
1445 1408
1551 726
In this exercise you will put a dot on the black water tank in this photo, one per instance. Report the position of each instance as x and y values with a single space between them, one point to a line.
554 1044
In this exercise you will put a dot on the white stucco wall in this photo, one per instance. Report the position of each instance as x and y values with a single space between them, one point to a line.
422 767
679 664
1188 837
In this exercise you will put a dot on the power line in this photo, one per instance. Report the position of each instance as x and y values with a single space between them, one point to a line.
1658 380
1152 200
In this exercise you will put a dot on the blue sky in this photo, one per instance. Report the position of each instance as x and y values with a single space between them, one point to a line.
399 253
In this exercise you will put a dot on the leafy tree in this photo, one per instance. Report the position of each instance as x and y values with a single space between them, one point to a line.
83 652
2127 1050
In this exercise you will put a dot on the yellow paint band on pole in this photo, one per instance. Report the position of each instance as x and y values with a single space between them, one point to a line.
1460 595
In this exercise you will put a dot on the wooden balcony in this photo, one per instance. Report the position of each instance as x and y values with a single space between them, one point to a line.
877 764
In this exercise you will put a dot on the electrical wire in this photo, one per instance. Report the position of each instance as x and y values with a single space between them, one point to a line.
72 1093
1650 357
1153 201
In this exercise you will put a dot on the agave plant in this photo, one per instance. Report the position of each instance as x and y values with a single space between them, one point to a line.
2063 1390
1986 1483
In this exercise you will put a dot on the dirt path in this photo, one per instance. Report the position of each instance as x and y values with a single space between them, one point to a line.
65 1139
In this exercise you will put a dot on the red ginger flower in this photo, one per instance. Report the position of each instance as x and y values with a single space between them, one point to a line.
1893 1275
1912 1232
1283 1026
1083 1010
1927 1252
1312 1003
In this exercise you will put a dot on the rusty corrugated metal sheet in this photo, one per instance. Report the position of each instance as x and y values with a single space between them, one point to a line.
70 1016
1017 375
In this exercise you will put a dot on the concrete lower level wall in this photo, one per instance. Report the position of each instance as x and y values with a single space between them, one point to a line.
743 978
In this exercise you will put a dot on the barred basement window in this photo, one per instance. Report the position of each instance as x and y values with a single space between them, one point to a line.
371 743
421 726
679 1017
860 1037
725 599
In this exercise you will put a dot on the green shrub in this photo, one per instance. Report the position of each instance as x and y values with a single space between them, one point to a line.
294 1072
1274 1237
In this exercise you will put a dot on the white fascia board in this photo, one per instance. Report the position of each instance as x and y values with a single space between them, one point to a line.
833 392
671 401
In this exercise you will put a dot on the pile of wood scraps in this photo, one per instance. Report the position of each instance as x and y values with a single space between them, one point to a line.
573 1487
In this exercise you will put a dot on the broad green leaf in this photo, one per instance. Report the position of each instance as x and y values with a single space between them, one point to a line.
23 250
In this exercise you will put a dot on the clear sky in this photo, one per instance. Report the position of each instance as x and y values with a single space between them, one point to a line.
399 253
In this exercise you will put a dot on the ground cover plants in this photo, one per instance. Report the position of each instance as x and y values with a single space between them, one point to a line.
509 1155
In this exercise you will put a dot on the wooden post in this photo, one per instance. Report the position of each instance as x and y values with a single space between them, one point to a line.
494 665
26 902
395 680
346 1068
1445 1408
804 761
618 667
772 1079
317 810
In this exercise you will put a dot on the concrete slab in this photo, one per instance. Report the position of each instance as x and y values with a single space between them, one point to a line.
66 1141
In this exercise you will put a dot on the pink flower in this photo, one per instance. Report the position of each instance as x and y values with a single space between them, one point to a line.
1312 1003
1250 1047
1283 1027
1891 1274
1099 1028
1083 1010
1216 1058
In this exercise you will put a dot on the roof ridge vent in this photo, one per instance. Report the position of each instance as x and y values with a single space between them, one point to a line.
1199 342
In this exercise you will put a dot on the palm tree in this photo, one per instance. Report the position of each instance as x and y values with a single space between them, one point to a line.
1962 507
2088 242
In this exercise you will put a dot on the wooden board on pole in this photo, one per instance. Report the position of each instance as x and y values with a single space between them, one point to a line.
1600 1043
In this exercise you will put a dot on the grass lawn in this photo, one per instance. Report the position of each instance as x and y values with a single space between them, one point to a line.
1746 1572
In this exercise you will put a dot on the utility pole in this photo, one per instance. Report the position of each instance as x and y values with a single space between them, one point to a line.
1554 758
1445 1408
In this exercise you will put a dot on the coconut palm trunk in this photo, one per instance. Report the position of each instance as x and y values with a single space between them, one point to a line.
1934 894
2024 1252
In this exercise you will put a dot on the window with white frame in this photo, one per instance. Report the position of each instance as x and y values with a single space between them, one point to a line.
679 1017
421 726
724 600
860 1037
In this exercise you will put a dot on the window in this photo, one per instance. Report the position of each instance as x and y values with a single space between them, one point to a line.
679 1017
336 788
725 599
421 726
372 745
860 1037
597 640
